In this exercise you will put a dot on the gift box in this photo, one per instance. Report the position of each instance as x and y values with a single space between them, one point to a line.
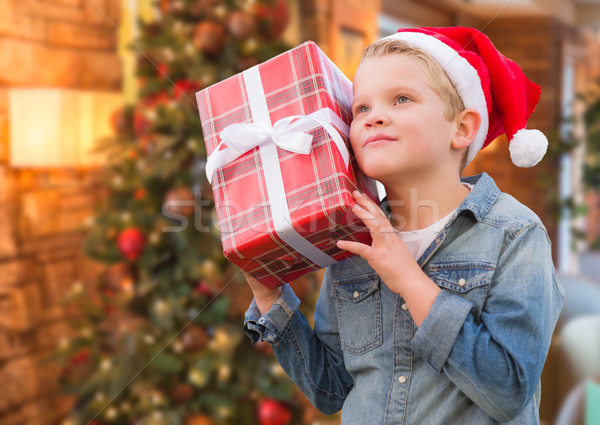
281 165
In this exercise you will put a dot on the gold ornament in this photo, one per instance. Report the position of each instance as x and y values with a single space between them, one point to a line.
199 420
193 338
180 200
241 24
209 37
197 377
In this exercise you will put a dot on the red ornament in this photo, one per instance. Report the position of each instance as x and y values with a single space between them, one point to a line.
155 100
162 71
131 243
273 17
140 124
204 288
273 412
186 88
80 357
140 194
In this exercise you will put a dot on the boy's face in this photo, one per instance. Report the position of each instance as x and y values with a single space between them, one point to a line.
399 128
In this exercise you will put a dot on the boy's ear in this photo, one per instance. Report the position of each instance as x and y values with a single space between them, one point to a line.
467 125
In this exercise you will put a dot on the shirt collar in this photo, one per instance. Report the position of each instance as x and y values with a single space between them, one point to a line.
479 200
482 196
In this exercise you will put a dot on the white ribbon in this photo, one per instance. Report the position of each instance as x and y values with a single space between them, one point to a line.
288 133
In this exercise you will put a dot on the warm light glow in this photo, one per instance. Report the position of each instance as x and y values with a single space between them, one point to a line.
55 127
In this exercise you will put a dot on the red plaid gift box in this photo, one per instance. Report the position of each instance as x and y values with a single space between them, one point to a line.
281 167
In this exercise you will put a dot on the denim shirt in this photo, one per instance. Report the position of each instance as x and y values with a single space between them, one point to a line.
477 357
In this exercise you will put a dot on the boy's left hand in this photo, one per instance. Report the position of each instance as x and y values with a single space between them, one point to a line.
387 255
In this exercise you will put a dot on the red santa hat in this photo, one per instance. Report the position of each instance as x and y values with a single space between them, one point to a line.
486 81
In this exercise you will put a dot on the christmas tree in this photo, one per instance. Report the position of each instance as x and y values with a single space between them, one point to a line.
159 339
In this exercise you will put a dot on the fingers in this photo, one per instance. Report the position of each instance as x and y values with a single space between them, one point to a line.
366 202
354 247
371 215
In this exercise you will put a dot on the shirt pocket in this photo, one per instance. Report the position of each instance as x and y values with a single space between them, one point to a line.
358 304
470 280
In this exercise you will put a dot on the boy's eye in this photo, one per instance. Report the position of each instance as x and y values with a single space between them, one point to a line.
362 109
402 99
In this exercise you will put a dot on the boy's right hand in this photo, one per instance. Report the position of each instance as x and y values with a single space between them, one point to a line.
263 296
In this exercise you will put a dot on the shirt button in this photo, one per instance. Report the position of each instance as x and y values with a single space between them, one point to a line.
262 320
355 295
402 379
461 282
404 307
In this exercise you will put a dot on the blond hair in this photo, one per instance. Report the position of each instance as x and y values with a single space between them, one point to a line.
436 76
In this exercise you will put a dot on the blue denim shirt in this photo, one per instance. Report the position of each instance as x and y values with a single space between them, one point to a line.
476 358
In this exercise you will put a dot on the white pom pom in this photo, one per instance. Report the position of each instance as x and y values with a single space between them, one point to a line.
527 147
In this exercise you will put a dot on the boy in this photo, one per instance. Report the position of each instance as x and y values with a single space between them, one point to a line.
447 316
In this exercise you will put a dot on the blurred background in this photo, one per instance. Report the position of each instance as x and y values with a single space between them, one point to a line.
116 304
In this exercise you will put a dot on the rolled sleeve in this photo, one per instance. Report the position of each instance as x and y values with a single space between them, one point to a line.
270 326
435 338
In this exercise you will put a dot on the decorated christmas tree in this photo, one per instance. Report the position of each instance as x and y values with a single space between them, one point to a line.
159 339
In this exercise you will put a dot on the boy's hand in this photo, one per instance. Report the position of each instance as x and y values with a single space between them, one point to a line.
392 260
388 255
263 296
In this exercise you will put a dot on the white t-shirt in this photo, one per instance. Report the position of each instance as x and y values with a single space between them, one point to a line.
417 241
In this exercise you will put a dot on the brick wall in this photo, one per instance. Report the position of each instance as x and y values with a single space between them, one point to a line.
535 44
45 43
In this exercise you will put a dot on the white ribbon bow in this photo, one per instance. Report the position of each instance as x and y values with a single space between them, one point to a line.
288 133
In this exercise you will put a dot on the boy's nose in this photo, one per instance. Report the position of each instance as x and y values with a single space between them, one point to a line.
377 118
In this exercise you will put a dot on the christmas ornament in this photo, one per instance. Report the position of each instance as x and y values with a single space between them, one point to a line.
199 420
139 194
224 372
186 89
111 413
209 37
204 8
79 366
162 71
241 24
203 288
273 412
225 339
131 243
141 125
171 6
197 377
180 200
118 276
272 16
193 338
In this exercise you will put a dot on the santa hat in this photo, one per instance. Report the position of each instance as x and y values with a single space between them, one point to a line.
486 81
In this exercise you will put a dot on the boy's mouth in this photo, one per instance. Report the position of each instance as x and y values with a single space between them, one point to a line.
378 138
